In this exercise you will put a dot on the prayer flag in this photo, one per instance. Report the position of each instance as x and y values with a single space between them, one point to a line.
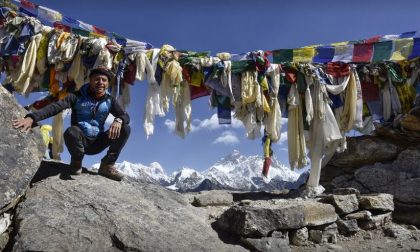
362 52
47 15
282 55
343 53
416 49
382 51
402 48
324 54
408 34
304 54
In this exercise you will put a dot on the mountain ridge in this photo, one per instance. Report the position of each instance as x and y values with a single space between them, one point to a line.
232 172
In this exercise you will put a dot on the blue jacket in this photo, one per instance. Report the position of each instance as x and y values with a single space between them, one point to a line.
88 113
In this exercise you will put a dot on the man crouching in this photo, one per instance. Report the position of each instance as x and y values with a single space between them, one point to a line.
90 106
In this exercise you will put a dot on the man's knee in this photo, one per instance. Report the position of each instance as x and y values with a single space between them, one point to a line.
72 133
125 130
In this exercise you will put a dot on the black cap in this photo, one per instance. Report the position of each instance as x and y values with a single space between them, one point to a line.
102 71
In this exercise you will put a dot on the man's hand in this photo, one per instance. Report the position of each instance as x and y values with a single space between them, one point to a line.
114 130
23 124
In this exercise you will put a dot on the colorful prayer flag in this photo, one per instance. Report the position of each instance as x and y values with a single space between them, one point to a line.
304 54
402 48
416 49
282 55
382 51
343 53
362 52
324 54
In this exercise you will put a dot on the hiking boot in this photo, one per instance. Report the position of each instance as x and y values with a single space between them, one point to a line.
110 171
75 167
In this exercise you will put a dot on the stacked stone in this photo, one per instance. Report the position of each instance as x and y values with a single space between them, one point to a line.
370 211
273 225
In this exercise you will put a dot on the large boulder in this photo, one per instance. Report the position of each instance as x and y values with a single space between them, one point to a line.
92 213
380 202
365 150
213 198
387 162
20 153
343 204
400 178
260 218
361 150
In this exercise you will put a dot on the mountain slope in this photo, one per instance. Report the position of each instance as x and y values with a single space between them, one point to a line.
233 172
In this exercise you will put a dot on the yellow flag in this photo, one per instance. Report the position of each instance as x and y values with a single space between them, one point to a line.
304 54
402 48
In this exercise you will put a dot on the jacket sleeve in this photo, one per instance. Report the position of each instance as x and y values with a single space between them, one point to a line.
118 112
53 108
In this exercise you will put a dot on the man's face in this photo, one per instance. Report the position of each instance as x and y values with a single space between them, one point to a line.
98 84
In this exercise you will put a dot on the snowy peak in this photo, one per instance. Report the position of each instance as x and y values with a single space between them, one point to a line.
244 173
153 173
186 179
233 172
234 157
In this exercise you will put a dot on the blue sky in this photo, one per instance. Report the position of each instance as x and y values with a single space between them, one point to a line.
225 26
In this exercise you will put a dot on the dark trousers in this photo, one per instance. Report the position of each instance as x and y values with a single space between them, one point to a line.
79 145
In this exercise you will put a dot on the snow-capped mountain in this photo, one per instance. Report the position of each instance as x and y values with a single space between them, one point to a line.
233 172
239 172
186 179
153 173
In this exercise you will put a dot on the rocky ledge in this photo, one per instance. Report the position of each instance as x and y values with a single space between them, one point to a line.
385 162
339 221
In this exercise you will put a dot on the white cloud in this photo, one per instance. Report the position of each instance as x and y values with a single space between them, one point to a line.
283 138
170 125
211 123
227 138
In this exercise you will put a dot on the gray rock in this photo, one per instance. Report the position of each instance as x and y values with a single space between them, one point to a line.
344 204
347 227
299 237
348 181
397 231
381 201
377 221
408 161
324 233
407 213
4 239
20 153
364 150
412 227
316 236
280 234
399 178
368 236
261 218
334 247
329 231
5 221
317 213
245 202
255 222
361 215
346 191
92 213
268 244
213 198
312 192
